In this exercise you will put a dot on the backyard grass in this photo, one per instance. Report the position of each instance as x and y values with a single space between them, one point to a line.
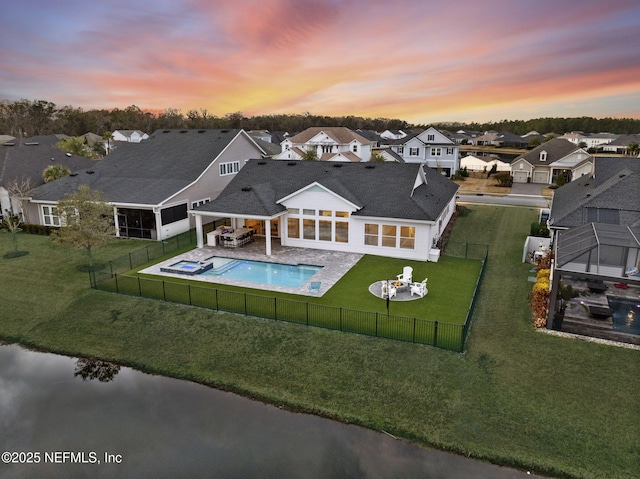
517 397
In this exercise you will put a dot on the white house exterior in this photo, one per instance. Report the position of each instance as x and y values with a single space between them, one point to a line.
431 148
386 209
129 136
329 143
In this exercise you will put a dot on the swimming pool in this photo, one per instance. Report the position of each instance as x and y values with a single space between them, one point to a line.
276 274
625 314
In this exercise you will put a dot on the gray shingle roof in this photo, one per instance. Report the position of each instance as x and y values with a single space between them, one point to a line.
379 190
148 172
28 157
616 185
556 149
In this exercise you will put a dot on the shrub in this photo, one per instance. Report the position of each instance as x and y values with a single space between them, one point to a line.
37 229
504 178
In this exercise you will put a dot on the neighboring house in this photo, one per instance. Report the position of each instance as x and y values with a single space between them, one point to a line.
263 135
153 183
27 158
393 134
129 136
502 139
621 144
483 163
375 139
430 147
591 140
595 223
387 209
544 163
329 143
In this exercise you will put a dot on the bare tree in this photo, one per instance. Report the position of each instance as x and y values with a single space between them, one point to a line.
19 191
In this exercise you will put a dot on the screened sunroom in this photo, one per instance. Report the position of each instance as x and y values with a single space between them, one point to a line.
599 249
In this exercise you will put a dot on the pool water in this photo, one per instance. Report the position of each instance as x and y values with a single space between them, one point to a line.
276 274
625 314
187 267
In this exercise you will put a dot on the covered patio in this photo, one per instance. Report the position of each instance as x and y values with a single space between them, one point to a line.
599 249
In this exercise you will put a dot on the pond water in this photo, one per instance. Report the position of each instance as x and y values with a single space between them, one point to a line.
80 418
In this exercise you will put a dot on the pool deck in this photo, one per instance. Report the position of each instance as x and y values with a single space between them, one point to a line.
577 319
335 265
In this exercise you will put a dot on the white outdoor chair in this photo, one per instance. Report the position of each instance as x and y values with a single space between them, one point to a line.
388 289
419 288
407 275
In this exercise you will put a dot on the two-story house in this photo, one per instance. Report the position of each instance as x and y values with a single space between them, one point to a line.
431 148
329 144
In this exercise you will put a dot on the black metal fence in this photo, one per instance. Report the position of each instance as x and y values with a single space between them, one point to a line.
430 332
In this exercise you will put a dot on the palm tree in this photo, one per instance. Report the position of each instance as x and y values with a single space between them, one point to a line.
54 172
633 148
310 154
108 137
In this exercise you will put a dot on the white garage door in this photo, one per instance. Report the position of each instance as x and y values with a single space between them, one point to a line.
519 176
540 177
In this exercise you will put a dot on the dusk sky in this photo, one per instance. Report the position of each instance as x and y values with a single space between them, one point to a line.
417 60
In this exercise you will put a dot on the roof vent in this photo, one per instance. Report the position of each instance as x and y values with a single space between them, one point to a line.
291 163
262 162
201 131
224 131
622 175
166 131
73 174
337 165
90 172
370 166
183 131
9 144
246 188
30 143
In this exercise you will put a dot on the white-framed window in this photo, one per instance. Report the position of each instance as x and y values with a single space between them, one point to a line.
371 234
400 150
414 151
355 148
327 148
50 215
449 151
195 204
436 151
389 236
543 156
431 137
407 237
229 168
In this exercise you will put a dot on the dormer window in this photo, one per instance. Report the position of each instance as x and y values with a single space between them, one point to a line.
543 156
431 137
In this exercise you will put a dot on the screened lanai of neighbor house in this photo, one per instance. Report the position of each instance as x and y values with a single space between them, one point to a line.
600 249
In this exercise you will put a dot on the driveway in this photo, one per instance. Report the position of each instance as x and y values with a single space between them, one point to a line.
529 189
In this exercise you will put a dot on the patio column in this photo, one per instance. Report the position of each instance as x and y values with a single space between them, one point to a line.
115 221
267 226
199 233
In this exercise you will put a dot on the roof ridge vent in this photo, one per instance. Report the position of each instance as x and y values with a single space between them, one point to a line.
337 165
262 162
201 131
90 172
371 167
166 131
292 163
247 188
183 131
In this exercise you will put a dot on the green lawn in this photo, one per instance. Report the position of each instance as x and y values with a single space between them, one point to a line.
517 397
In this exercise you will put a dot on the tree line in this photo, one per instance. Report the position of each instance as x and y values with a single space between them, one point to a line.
40 117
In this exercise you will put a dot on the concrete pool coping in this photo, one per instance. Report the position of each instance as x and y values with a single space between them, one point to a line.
335 264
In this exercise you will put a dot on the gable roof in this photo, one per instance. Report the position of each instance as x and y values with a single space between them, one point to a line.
615 186
556 148
28 158
384 190
340 134
151 171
